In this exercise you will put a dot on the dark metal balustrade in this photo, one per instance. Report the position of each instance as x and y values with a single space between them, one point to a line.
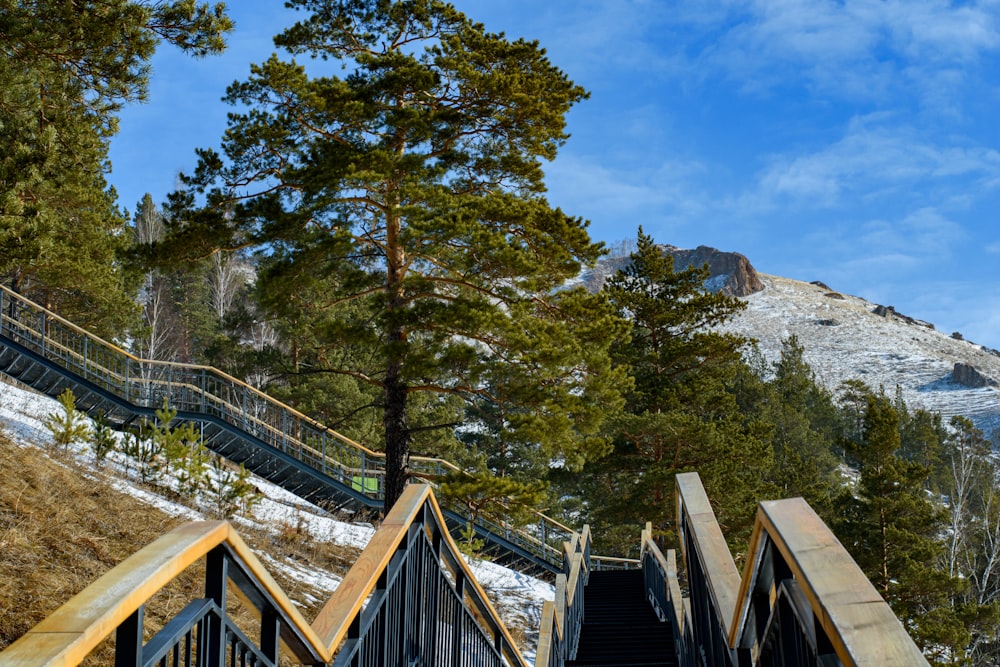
410 599
244 425
802 600
424 607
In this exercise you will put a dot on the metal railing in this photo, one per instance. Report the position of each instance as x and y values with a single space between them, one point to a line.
424 606
409 599
203 633
204 392
663 592
562 619
802 600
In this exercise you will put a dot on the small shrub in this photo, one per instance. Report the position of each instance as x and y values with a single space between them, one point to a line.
470 545
143 450
957 335
70 426
102 441
183 452
230 489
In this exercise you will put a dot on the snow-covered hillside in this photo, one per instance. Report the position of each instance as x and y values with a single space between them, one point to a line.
845 339
517 597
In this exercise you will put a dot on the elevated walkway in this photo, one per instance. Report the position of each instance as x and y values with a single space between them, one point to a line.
238 422
410 599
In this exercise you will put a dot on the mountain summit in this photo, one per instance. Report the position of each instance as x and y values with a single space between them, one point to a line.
846 337
729 272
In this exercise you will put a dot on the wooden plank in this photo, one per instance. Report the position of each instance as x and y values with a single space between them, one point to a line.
334 619
545 634
278 596
73 630
68 635
676 598
721 574
860 624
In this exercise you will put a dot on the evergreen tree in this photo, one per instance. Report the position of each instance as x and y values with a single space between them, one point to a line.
417 176
681 411
66 68
69 426
893 531
804 419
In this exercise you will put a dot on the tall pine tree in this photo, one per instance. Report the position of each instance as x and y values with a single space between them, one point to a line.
681 412
894 532
418 174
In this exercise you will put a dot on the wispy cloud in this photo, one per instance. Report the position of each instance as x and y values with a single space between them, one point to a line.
874 159
860 50
622 197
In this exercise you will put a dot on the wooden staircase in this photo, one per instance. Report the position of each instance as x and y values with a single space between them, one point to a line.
620 627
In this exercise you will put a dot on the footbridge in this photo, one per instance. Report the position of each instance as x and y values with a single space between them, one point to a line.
411 599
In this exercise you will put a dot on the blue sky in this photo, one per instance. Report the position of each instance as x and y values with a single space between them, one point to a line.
856 142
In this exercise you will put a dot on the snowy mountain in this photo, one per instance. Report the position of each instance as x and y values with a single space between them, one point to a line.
846 337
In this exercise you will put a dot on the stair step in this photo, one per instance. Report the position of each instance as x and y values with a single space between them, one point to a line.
620 628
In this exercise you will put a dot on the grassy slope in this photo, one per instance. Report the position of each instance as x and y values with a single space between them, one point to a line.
62 526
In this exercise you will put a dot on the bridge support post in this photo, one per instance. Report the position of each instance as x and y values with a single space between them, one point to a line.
216 576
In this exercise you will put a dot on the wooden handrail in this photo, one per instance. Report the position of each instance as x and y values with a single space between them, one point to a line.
722 577
67 636
553 629
667 565
860 625
335 618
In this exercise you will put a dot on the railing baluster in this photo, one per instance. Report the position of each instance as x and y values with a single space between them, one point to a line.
128 641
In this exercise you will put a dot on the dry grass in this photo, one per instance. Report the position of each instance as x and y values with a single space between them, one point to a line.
60 529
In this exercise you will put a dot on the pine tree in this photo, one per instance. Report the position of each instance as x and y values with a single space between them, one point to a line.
893 531
681 412
69 426
66 69
413 186
805 421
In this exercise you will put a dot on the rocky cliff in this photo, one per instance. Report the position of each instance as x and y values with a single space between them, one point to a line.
729 272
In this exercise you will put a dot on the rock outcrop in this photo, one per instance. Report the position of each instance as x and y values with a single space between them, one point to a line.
730 272
891 313
968 376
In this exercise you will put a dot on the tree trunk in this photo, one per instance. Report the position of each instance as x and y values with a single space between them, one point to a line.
397 434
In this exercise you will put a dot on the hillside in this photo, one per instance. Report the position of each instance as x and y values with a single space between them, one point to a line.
64 522
845 338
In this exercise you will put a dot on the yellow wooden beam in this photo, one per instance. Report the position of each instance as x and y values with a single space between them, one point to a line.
76 628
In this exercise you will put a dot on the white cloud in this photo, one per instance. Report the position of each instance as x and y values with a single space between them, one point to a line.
924 233
614 195
875 159
940 30
861 50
